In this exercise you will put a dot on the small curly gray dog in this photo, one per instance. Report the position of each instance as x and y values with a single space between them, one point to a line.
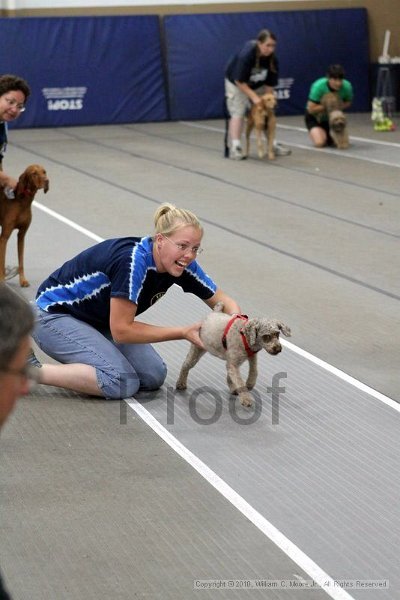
337 120
235 338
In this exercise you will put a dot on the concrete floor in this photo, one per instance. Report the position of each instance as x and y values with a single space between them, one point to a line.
94 503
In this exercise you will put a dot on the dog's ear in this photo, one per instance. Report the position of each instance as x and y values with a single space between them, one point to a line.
270 100
250 330
284 328
39 178
30 179
24 180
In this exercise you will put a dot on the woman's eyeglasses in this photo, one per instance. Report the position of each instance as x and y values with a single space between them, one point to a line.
12 103
185 247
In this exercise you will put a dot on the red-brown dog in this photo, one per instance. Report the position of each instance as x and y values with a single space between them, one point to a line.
17 214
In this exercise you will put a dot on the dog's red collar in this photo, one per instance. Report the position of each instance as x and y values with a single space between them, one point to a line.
231 321
24 192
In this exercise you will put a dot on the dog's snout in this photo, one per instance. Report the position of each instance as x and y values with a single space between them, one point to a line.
277 349
274 348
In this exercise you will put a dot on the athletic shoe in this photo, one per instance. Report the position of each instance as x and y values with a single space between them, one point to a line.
281 150
236 153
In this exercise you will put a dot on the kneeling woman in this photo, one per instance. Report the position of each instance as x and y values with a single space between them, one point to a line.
87 308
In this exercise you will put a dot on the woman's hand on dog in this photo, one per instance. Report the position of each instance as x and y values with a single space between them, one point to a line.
7 181
256 99
191 333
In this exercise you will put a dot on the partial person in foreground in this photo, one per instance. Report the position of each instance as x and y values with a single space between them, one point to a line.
250 73
16 323
316 116
87 309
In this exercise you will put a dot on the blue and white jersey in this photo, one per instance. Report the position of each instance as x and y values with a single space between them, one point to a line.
117 268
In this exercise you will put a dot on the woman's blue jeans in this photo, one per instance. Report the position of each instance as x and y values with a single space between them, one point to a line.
121 369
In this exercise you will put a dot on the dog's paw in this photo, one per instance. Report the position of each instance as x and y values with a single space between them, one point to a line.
24 283
246 400
285 329
232 389
271 156
181 385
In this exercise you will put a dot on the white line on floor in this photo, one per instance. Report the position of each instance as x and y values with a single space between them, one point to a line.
346 153
342 375
281 541
68 222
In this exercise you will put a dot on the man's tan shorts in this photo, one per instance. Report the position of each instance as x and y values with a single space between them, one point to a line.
237 102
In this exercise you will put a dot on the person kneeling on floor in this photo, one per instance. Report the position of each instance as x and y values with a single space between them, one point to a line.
316 117
87 309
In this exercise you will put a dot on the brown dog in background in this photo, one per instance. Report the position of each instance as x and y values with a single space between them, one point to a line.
17 214
262 118
337 120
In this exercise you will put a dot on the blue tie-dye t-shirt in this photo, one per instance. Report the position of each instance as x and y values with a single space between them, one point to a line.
117 268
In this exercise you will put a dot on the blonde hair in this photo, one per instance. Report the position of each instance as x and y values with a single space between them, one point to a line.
168 219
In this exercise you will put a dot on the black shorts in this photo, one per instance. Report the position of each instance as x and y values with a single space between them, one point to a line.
312 121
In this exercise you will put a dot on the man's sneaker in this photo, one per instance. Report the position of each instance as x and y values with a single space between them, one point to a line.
281 150
236 153
32 360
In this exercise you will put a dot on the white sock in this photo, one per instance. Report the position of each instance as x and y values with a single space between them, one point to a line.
236 144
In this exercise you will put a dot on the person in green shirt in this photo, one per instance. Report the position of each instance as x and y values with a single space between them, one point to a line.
316 117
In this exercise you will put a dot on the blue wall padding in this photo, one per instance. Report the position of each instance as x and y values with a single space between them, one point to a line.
97 70
117 59
199 46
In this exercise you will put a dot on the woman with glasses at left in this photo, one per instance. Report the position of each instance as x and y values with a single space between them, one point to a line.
14 92
87 309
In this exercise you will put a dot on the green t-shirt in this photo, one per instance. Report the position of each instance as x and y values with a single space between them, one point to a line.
320 87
